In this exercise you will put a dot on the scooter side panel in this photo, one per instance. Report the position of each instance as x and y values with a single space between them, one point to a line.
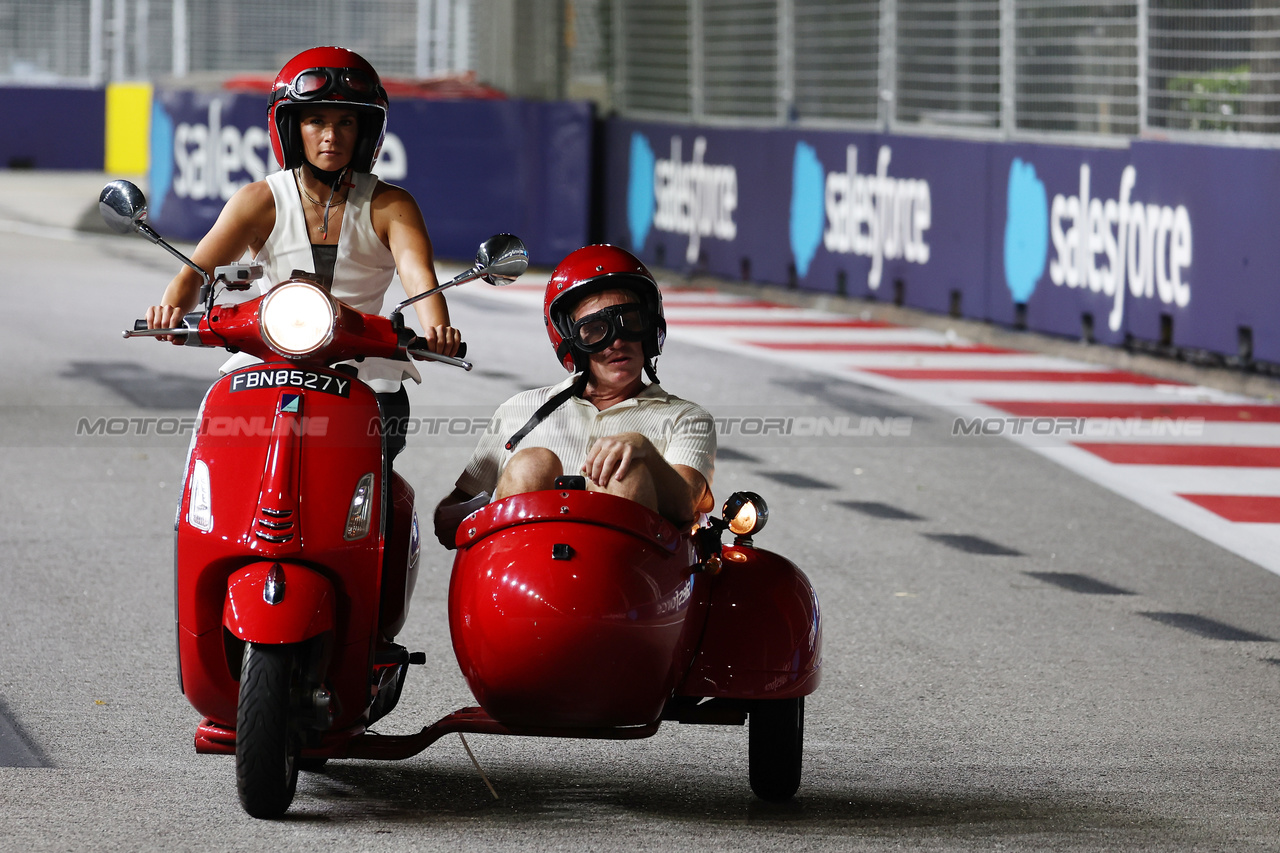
400 567
566 622
207 681
763 637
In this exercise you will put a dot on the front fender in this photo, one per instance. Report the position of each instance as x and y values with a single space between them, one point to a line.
305 611
763 638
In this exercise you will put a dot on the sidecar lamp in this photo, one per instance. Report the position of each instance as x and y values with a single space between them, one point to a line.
297 318
361 510
745 513
200 507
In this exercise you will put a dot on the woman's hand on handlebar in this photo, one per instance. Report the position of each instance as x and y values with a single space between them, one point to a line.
166 317
442 340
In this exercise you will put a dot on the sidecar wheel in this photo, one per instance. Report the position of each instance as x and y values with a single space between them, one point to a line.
775 748
266 750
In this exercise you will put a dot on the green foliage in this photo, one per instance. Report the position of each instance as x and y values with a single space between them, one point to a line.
1213 100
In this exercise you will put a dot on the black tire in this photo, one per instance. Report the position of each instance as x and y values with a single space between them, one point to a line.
776 747
266 748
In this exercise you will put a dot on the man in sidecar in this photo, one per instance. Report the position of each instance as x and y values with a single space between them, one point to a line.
603 313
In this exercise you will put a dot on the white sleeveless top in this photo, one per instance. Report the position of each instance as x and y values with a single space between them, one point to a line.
361 274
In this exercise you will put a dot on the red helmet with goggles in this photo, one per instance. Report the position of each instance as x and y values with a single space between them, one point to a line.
330 77
590 270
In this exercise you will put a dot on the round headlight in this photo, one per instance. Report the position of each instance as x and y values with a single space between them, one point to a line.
745 513
296 318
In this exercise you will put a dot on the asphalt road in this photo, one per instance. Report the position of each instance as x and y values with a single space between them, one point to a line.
971 701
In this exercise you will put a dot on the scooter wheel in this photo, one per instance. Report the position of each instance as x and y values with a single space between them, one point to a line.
776 747
266 749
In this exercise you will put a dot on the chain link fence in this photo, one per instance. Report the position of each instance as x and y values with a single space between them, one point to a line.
1096 72
1093 72
93 41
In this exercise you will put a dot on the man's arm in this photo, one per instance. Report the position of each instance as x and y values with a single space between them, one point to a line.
681 491
450 512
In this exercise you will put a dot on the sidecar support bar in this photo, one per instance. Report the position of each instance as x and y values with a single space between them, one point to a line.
475 721
212 738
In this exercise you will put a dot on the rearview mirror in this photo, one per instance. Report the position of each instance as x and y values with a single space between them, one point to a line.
122 206
502 259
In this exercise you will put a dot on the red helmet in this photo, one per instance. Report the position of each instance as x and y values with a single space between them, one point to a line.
590 270
330 76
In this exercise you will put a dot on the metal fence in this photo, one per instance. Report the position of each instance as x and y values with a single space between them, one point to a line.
92 41
1096 72
1092 71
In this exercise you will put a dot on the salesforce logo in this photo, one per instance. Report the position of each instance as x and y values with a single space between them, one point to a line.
807 222
1026 231
693 198
1099 244
210 160
869 215
640 191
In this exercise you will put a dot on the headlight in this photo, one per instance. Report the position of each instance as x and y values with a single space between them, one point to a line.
296 318
745 513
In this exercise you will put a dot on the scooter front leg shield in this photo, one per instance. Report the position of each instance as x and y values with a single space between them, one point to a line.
278 602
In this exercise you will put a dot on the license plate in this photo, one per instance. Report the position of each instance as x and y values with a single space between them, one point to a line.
290 377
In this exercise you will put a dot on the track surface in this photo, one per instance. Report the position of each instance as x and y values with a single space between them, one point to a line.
1016 656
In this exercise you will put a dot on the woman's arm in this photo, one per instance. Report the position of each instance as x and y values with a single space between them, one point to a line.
245 223
398 223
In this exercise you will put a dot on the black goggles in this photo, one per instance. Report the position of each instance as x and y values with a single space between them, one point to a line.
317 83
595 332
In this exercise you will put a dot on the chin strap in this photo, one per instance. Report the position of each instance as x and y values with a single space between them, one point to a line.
575 388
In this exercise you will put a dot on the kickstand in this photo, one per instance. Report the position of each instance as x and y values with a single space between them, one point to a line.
477 766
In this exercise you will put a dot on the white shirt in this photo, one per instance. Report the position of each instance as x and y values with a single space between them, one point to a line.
361 275
683 432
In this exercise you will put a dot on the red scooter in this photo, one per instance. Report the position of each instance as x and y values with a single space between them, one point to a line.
572 613
296 544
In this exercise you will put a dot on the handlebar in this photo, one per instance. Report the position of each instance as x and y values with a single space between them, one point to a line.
140 330
455 361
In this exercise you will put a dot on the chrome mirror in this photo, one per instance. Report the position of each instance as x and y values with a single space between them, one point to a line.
123 206
124 209
502 259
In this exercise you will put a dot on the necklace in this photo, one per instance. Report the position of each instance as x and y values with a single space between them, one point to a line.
317 202
323 227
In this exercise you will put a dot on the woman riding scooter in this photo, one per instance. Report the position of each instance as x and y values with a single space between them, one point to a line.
325 215
603 313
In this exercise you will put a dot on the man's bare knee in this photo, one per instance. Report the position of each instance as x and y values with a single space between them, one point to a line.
637 486
529 470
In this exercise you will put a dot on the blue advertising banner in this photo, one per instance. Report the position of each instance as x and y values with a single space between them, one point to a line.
1054 246
52 128
1214 256
1156 241
859 214
476 168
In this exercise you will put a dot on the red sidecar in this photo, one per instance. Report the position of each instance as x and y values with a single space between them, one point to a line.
582 614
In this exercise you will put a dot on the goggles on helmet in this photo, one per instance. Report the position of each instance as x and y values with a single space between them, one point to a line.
594 332
317 83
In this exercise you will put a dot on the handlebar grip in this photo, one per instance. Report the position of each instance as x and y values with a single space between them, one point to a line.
139 325
462 350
